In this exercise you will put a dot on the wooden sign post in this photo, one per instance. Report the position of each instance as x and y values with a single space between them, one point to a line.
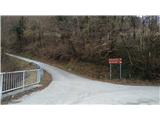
115 61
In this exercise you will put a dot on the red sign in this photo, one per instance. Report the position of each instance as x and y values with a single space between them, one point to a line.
115 60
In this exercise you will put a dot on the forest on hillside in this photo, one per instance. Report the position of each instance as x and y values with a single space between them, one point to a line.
93 39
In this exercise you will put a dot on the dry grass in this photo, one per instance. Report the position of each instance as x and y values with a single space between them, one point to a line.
30 77
47 79
13 64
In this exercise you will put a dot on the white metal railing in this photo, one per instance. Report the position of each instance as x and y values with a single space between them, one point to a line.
11 81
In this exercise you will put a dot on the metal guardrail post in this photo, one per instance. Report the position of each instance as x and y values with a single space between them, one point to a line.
41 73
23 80
38 75
1 82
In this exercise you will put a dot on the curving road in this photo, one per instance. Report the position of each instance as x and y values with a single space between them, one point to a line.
67 88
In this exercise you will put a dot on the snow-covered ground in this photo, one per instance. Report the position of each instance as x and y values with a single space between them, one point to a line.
67 88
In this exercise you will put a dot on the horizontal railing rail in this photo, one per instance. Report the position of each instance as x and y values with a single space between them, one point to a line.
18 71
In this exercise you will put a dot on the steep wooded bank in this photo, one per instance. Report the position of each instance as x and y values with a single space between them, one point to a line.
90 39
12 64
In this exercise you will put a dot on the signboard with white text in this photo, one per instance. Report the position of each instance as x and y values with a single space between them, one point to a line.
115 61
